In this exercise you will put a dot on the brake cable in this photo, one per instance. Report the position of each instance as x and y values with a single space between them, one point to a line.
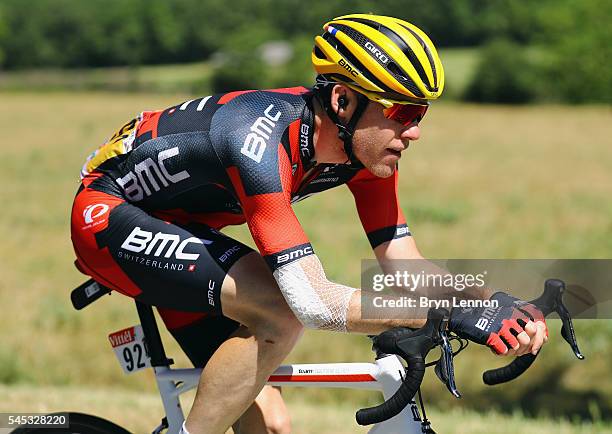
463 343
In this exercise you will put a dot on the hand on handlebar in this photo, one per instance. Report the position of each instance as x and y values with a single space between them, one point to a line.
514 327
536 332
476 325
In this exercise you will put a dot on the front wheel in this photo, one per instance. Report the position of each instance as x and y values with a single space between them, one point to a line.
79 424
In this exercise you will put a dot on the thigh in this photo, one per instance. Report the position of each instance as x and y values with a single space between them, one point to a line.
179 267
251 295
198 334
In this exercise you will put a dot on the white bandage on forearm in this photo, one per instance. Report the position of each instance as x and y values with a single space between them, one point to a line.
315 301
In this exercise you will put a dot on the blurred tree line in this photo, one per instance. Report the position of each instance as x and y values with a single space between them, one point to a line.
533 50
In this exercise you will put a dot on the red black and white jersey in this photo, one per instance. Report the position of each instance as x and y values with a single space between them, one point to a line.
233 158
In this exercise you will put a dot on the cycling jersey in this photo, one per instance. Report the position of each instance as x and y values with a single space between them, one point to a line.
234 158
147 216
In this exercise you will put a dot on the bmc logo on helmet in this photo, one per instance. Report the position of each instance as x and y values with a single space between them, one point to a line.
379 54
255 142
343 63
167 244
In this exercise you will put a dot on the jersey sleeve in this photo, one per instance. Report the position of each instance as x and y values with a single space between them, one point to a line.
248 139
274 226
378 207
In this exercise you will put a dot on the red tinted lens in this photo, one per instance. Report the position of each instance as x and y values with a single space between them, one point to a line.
406 114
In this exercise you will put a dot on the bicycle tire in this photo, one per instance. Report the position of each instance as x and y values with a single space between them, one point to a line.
79 423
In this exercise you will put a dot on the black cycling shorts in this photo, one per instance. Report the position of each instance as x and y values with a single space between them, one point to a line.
178 267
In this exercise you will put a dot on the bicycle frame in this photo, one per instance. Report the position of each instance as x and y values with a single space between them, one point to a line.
384 375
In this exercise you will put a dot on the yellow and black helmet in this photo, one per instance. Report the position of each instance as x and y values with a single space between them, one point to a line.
386 59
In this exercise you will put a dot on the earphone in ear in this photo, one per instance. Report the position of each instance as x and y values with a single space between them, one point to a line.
342 102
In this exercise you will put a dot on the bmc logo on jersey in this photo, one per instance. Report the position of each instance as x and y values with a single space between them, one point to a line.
402 230
149 174
256 141
294 254
92 212
304 142
167 244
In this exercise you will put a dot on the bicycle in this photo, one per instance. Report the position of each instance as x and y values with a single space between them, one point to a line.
141 347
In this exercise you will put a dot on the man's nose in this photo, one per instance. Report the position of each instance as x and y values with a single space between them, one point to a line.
413 132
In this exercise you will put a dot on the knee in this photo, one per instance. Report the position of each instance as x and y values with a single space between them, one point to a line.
282 326
252 297
279 423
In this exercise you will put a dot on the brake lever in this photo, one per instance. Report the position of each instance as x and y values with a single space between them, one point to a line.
552 301
444 368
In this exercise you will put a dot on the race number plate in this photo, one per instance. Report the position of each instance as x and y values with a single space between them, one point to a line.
129 347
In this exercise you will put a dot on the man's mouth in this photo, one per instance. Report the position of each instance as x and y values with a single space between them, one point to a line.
395 152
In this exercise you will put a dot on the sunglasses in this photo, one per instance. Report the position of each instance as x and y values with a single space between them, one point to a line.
405 114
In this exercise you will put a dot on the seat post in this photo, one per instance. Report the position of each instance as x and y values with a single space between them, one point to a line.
155 345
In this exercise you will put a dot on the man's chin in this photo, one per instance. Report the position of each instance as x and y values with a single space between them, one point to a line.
383 169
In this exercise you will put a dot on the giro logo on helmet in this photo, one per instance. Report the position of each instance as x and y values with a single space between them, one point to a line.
379 54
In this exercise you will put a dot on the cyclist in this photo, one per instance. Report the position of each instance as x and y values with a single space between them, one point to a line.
146 218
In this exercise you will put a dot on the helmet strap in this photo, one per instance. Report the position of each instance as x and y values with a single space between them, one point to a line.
345 132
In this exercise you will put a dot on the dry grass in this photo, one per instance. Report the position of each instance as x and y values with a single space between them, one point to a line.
140 413
482 182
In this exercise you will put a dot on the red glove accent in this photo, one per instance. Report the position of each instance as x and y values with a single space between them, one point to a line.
534 314
496 340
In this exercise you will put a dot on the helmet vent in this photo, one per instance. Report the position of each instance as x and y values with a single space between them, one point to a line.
403 46
396 70
427 52
319 53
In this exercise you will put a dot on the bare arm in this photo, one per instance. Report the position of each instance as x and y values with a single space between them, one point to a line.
406 248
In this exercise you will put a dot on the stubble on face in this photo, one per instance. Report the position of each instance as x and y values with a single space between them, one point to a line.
373 136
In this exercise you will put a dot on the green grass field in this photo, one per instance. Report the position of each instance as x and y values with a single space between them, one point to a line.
189 77
484 182
140 413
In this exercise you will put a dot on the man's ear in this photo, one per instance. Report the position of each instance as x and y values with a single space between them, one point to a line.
340 98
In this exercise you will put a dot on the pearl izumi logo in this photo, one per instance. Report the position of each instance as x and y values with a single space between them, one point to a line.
147 176
256 141
92 214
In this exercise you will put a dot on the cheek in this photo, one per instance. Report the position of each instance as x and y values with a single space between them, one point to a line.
372 141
